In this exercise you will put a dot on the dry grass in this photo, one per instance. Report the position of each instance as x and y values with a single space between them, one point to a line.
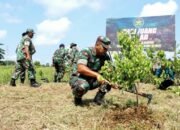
51 107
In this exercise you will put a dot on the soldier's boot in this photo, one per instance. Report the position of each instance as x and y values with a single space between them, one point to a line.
33 83
99 98
22 80
13 82
78 101
55 78
149 97
58 80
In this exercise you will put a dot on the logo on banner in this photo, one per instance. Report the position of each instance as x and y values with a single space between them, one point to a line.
138 22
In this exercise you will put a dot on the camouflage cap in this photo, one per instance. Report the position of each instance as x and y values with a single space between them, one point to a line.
30 30
105 41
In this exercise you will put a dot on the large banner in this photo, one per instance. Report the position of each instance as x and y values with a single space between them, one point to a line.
156 31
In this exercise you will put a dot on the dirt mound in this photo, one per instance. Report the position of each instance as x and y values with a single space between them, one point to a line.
133 117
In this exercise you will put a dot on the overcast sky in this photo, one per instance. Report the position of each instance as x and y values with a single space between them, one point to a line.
66 21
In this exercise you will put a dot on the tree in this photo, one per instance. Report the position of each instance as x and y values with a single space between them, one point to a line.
2 52
131 66
47 65
37 63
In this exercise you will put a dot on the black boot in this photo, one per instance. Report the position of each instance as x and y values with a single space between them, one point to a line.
78 101
13 82
55 78
149 97
99 98
34 83
59 80
22 81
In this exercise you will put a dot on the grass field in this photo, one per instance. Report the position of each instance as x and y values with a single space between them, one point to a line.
51 107
41 72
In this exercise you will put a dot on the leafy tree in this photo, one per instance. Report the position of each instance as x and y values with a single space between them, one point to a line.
37 63
131 66
7 62
47 65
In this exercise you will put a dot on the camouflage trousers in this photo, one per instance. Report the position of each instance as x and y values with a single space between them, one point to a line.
81 84
59 71
21 67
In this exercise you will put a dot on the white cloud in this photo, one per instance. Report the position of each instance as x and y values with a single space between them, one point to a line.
159 8
60 7
6 11
6 6
10 19
3 33
52 31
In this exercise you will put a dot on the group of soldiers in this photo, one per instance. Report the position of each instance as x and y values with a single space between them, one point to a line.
85 66
64 58
25 49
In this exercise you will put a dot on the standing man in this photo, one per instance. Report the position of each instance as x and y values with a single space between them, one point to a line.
59 59
85 75
25 51
72 54
22 75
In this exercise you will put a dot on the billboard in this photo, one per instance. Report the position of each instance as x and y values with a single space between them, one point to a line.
155 31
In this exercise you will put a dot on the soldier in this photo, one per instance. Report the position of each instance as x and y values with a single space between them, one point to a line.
59 59
72 54
169 75
85 74
22 75
25 51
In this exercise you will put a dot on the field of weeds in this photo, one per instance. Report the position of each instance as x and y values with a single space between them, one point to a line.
41 72
51 107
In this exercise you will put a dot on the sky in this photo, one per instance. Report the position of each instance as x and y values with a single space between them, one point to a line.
67 21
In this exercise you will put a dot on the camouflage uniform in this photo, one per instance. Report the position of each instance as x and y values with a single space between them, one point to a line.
169 79
22 75
23 64
72 55
80 83
59 59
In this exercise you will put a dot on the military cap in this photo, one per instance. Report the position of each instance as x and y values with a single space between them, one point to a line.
61 45
105 41
73 44
30 30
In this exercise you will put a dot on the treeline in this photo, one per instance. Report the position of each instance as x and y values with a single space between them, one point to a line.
11 62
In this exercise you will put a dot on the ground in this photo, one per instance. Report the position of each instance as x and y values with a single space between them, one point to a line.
51 107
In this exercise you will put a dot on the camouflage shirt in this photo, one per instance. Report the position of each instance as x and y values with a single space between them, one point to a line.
88 57
20 50
60 55
72 55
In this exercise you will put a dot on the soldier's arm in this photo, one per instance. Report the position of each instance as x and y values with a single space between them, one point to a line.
83 69
26 46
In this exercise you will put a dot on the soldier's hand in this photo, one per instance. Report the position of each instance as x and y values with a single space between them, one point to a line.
28 58
115 86
101 79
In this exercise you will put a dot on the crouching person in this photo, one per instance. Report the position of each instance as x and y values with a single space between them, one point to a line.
169 76
85 74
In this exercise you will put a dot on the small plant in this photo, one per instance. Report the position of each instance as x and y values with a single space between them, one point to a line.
175 89
131 66
130 103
